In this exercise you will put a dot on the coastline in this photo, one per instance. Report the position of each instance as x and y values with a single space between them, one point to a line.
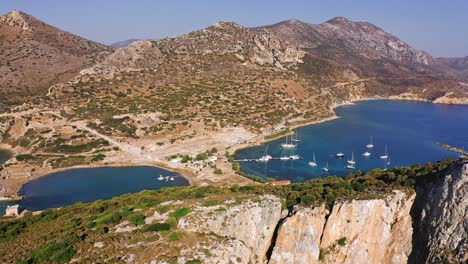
189 175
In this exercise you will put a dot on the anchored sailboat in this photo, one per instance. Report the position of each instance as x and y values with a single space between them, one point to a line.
339 155
295 139
265 157
313 163
370 145
385 155
326 167
366 154
283 156
351 161
388 160
288 145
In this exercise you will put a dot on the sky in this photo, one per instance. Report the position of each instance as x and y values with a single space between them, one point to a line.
437 26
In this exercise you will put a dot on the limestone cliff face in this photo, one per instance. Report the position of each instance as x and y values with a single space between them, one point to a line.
249 226
358 231
299 237
440 217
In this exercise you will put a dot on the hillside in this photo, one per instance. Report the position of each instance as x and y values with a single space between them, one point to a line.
417 211
220 88
34 56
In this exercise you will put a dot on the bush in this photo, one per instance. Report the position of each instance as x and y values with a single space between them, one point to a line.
109 219
175 236
181 212
137 219
155 227
22 157
218 171
54 252
342 241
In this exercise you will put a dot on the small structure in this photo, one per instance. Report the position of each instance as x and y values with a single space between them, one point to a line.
281 183
12 210
213 158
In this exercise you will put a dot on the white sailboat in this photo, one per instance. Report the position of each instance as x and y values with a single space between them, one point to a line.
370 145
284 157
388 160
295 139
366 154
265 157
325 168
288 145
161 177
339 155
352 161
313 163
294 156
385 155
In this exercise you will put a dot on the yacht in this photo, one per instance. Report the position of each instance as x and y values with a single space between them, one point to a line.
294 156
287 145
388 160
366 154
295 139
265 157
352 161
313 163
161 177
172 178
370 145
385 155
339 155
325 168
284 157
350 167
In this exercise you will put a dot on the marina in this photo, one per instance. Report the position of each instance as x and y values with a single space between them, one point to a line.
397 140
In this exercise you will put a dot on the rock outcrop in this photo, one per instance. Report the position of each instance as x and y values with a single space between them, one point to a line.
249 226
348 233
440 218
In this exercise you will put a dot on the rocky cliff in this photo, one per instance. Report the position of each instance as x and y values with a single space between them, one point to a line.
348 233
440 218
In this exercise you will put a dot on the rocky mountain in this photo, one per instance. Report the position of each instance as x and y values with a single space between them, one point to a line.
459 65
123 44
342 40
34 56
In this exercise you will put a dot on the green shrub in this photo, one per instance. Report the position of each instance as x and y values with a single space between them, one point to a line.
155 227
342 241
175 236
137 219
109 219
23 157
181 212
53 252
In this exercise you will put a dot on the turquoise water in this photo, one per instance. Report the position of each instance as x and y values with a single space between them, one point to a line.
410 131
90 184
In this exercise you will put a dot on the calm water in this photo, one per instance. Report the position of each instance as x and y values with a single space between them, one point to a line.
410 130
87 185
4 156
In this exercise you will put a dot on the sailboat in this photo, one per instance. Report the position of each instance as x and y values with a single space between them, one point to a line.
366 154
287 145
294 156
352 161
295 139
339 155
283 156
325 168
161 177
385 155
265 157
388 160
370 145
313 163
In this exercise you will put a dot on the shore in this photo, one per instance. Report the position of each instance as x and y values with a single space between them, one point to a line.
194 178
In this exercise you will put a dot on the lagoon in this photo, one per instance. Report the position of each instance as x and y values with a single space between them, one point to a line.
89 184
409 129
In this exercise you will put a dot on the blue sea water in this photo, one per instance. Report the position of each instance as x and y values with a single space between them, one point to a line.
90 184
409 129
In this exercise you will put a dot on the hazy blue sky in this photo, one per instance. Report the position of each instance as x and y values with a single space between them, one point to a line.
437 26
